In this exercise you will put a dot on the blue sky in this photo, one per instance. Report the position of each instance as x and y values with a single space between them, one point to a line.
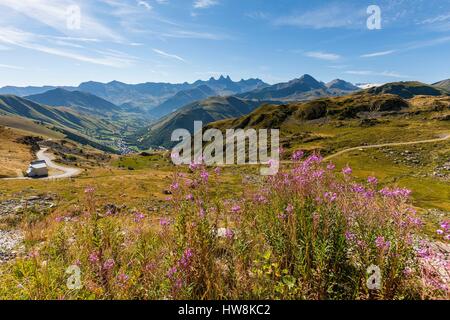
184 40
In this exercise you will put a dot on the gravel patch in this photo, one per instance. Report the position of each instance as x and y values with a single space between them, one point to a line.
10 244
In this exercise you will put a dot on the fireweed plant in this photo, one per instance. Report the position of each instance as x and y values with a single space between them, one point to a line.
309 232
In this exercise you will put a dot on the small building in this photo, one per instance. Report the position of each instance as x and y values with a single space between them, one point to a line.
37 169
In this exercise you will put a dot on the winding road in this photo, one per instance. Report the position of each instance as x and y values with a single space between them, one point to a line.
393 144
67 171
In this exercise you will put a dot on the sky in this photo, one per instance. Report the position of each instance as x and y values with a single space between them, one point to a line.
66 42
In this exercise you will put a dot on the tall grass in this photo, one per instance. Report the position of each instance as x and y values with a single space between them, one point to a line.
309 232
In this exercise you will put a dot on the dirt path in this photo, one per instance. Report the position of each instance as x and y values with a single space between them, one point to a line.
394 144
67 171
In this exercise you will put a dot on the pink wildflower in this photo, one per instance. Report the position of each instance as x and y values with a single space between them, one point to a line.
109 264
372 180
93 257
138 217
330 196
297 155
204 175
189 197
164 222
347 170
290 209
89 190
236 208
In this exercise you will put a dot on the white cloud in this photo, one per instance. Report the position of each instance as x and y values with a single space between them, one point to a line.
331 16
257 15
203 4
7 66
54 13
340 66
390 74
168 55
186 34
323 55
145 4
440 18
378 54
32 41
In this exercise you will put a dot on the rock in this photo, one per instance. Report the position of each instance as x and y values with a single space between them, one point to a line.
10 244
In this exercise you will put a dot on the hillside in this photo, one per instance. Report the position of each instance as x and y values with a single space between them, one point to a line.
303 88
444 84
80 127
63 117
14 155
332 124
77 100
181 99
408 89
209 110
341 108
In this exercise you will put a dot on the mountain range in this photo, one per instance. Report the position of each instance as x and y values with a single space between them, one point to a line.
303 88
83 109
144 96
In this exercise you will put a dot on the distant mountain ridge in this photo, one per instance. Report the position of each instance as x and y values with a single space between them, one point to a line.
81 101
339 84
144 96
303 88
408 89
444 84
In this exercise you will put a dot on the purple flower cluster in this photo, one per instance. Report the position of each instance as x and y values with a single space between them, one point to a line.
94 258
347 171
330 196
204 175
109 264
236 208
396 192
297 155
138 217
444 230
382 244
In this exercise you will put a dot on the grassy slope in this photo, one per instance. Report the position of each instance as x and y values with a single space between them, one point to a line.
28 126
14 156
60 117
420 121
207 111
